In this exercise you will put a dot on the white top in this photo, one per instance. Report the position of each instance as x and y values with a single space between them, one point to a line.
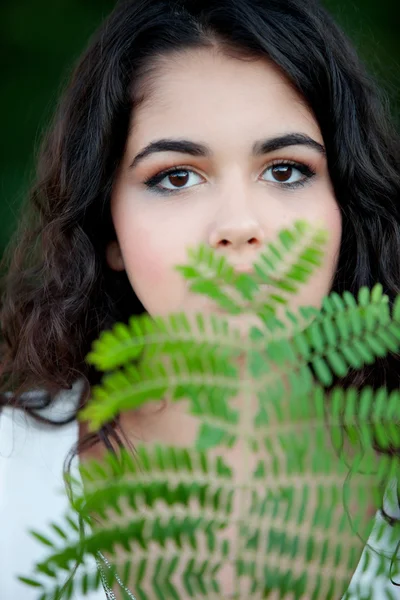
32 494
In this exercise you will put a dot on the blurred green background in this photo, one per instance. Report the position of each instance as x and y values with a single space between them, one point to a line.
40 40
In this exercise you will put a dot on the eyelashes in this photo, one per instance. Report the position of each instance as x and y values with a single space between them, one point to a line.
153 183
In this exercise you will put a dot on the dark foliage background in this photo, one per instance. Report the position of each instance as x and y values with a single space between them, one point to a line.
40 39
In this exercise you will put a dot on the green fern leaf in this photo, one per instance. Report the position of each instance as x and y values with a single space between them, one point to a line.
41 538
30 582
172 518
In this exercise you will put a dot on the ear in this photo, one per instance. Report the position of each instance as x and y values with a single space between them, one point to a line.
114 256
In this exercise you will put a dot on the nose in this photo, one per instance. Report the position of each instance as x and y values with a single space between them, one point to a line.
237 230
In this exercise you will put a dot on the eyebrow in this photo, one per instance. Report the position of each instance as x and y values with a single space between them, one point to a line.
260 147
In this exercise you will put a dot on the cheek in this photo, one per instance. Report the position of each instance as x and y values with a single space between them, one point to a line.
333 224
321 280
144 261
146 264
149 259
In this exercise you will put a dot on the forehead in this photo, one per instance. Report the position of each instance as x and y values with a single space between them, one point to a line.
206 93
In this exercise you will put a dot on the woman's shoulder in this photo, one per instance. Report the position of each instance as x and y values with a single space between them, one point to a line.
32 453
32 490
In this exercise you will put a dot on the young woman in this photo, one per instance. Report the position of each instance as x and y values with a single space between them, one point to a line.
185 121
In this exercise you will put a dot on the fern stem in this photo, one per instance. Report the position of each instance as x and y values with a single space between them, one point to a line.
246 423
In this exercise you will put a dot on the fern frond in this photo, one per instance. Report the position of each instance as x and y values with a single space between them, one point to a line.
278 479
286 264
332 344
145 337
175 496
108 488
344 336
137 384
305 247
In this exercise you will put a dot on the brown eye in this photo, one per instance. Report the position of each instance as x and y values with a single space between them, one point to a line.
173 180
282 172
290 175
179 178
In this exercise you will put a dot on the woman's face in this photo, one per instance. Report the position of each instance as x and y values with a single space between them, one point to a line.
246 159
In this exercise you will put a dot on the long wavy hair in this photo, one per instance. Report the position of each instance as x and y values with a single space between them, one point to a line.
57 292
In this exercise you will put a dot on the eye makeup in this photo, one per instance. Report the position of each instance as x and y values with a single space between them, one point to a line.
153 182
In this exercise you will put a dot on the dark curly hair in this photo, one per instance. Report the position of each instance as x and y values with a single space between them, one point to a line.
57 292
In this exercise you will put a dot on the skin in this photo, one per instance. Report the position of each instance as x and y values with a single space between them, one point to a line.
233 201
